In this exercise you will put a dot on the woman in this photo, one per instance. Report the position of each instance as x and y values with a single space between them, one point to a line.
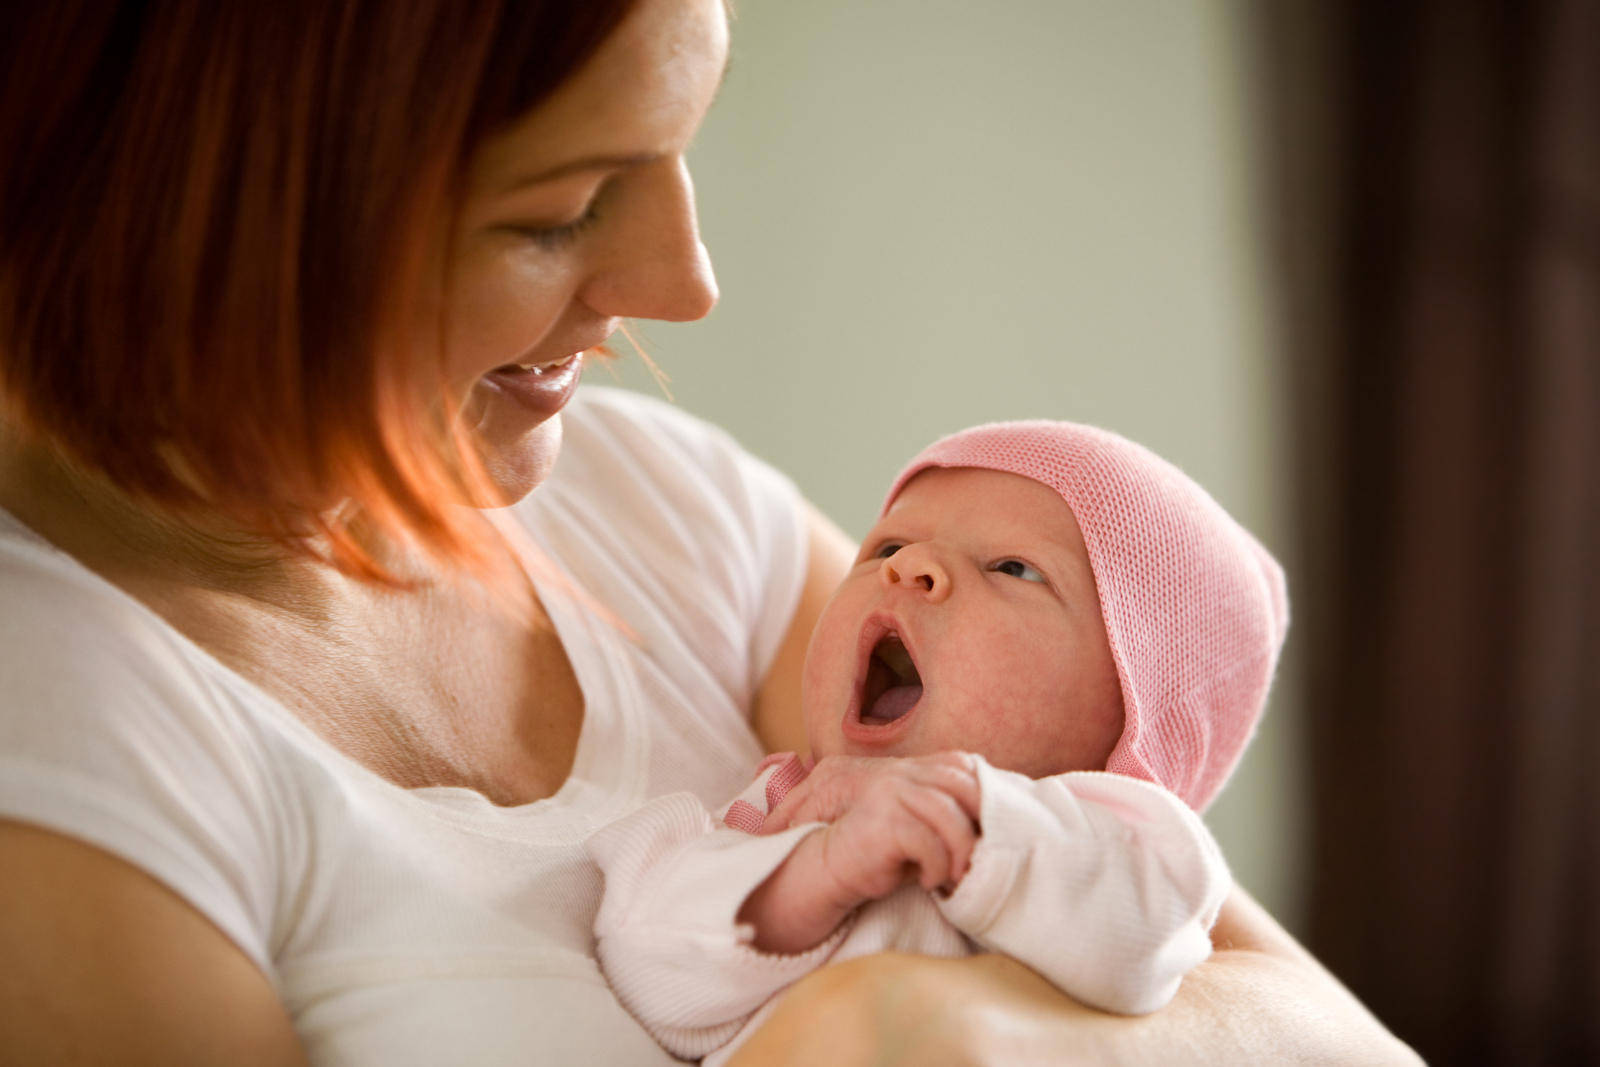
297 748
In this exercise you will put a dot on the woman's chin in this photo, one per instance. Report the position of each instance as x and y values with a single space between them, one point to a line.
518 464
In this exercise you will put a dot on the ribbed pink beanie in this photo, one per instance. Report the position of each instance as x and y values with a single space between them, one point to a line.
1194 607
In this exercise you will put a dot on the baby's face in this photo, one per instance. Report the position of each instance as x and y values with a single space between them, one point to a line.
970 622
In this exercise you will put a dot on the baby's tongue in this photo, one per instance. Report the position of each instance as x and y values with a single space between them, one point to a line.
893 703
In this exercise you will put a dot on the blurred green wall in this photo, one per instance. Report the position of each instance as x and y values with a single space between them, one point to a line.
930 213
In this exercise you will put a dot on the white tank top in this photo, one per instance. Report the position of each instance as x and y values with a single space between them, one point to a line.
421 926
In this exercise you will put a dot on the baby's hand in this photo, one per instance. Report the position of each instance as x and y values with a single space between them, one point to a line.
889 820
836 783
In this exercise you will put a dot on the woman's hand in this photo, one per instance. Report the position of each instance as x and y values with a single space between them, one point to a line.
1260 998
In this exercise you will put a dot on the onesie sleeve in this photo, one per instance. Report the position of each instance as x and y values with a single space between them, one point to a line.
108 734
666 933
1106 885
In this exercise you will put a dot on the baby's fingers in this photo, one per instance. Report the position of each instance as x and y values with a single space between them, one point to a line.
826 793
952 773
803 803
948 821
922 846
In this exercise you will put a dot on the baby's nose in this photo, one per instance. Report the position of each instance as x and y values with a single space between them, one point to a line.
916 567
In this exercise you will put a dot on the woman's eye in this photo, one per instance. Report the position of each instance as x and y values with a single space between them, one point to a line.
1016 568
554 238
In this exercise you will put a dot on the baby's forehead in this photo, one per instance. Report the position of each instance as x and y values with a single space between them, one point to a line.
980 498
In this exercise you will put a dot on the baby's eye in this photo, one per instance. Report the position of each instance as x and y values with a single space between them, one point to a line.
887 549
1018 569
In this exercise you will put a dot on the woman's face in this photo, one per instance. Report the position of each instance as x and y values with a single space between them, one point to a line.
580 215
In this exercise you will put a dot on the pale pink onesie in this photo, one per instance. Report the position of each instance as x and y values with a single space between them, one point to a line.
1106 885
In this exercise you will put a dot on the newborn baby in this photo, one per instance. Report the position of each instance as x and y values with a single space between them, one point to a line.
1039 604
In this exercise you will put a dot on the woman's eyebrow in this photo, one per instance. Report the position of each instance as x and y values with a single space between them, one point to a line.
607 162
586 163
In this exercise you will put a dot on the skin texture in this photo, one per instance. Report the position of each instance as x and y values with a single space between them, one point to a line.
985 578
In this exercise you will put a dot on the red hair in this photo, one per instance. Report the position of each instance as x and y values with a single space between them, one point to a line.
214 221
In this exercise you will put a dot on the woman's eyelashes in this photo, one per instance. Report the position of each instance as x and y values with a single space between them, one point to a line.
555 238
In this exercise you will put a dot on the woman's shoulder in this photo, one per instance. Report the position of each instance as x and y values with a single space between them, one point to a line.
63 628
112 731
92 682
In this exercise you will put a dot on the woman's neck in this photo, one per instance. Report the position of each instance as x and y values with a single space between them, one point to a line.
168 559
130 542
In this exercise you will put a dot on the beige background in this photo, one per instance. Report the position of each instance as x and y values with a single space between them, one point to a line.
930 213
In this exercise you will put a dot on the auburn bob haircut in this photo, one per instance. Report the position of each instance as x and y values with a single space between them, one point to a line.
214 217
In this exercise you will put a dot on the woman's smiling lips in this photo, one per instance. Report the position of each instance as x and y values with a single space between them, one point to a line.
545 386
854 728
544 389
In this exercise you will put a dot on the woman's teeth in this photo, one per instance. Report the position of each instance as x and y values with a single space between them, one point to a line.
540 368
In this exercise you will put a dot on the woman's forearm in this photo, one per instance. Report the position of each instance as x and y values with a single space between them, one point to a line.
1260 998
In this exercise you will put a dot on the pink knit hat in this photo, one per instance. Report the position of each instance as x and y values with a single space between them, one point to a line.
1194 607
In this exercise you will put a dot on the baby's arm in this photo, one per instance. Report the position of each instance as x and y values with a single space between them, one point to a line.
673 933
665 933
1106 885
889 821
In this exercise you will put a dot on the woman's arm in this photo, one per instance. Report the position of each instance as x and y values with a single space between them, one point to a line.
103 964
777 717
1260 998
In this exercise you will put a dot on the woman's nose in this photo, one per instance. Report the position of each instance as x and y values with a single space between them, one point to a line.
656 267
917 568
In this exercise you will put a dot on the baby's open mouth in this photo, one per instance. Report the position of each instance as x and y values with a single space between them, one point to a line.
892 686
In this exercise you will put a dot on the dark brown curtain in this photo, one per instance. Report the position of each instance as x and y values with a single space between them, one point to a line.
1438 178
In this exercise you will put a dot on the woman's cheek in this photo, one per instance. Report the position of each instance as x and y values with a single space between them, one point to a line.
500 307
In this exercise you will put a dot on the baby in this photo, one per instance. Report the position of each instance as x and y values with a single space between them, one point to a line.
1040 603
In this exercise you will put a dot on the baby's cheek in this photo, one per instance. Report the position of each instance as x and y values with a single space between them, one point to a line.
830 653
993 696
1013 704
829 671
